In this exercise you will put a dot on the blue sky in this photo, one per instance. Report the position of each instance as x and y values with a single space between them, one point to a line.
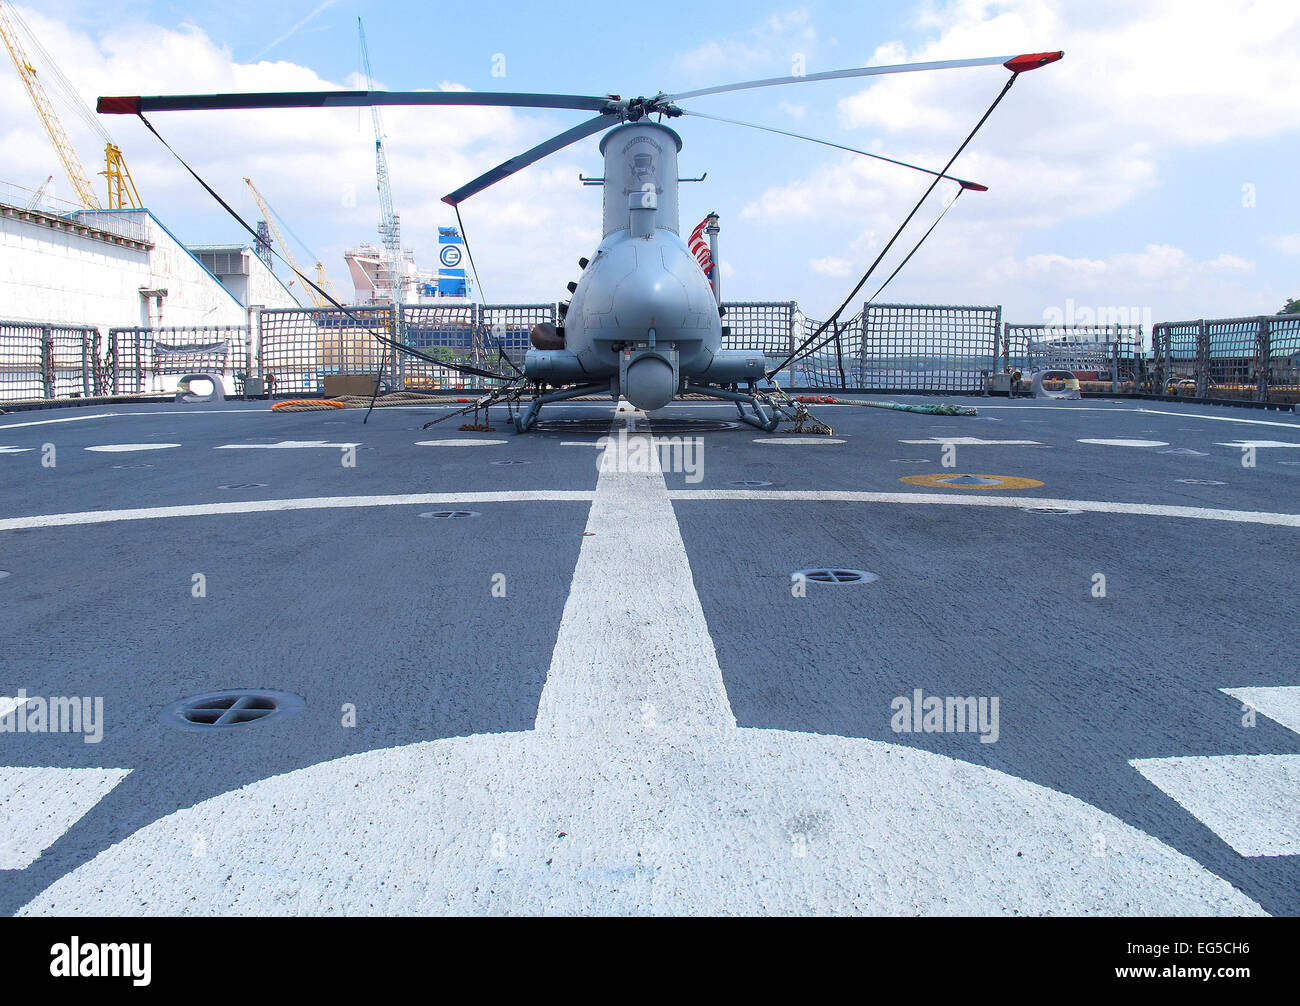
1151 171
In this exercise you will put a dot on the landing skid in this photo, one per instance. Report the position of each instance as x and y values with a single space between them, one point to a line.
770 408
527 417
765 417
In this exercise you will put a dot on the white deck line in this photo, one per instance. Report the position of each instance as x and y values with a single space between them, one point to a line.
1280 703
633 650
675 495
1249 801
37 805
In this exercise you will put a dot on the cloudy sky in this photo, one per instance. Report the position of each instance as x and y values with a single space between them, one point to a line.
1152 171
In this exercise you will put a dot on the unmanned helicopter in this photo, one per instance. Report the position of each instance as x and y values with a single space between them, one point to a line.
644 321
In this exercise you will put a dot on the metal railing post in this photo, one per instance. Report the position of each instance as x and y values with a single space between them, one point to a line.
1263 357
1114 363
1202 370
47 362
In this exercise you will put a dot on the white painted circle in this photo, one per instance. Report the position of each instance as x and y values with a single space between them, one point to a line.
124 448
797 441
290 845
1126 443
458 443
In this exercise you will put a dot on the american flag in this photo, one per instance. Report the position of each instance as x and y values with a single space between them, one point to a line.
698 243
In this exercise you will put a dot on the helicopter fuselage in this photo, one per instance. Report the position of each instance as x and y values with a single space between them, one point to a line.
643 316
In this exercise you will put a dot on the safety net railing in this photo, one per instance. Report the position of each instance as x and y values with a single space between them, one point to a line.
1253 359
886 347
1103 357
928 347
39 361
150 361
299 347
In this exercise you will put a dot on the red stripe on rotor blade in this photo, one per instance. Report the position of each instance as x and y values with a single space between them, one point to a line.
119 106
1032 61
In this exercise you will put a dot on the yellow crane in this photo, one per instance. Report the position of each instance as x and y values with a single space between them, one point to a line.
121 188
322 278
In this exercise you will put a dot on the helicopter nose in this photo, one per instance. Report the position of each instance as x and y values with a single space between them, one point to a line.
651 295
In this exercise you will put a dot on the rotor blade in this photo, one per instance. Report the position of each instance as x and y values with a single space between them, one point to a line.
509 167
839 146
133 105
1016 64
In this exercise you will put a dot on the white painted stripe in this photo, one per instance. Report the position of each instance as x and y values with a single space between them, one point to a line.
271 506
1125 443
943 499
8 703
129 415
1279 703
463 442
283 445
974 442
1249 801
15 450
633 651
129 448
1258 443
808 441
683 495
64 419
37 805
1222 419
1134 412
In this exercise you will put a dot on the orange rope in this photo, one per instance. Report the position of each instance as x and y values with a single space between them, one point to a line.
299 403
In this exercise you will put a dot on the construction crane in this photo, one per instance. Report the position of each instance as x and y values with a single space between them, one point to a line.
121 188
392 275
270 217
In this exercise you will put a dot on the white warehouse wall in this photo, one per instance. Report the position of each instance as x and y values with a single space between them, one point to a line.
63 277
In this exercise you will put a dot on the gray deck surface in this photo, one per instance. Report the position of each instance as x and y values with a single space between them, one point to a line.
375 606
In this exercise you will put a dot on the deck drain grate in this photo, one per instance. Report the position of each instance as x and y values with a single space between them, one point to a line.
834 574
230 708
1051 510
449 514
750 483
510 461
1201 482
243 485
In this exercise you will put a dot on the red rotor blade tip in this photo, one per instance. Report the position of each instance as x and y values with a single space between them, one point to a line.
1032 61
976 186
118 106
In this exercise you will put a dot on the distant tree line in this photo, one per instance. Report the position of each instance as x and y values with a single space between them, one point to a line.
1290 307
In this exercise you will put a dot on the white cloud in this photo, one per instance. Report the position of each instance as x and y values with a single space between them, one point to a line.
1287 244
315 167
1143 87
781 43
831 266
